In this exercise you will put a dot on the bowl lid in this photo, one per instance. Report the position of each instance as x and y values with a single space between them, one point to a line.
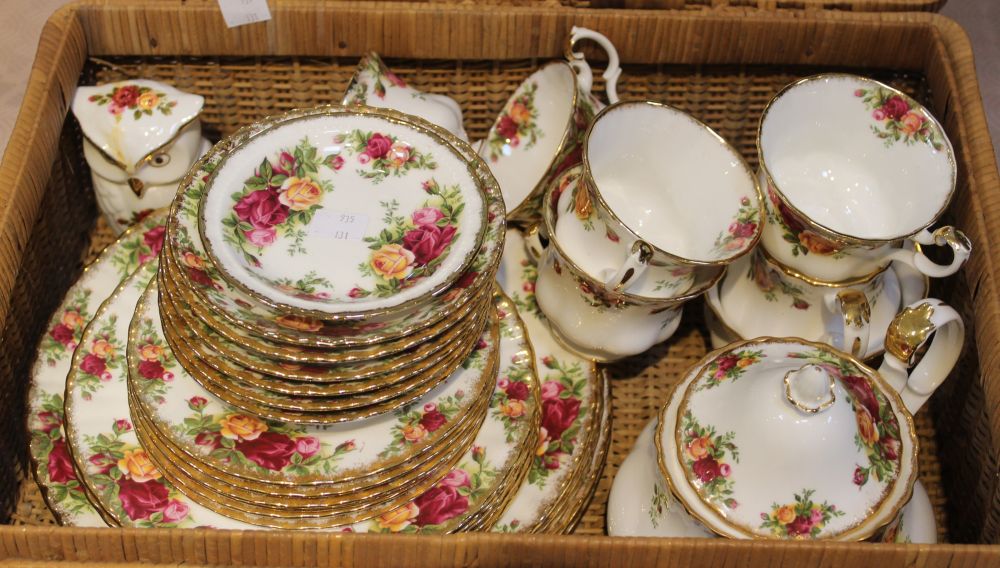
349 210
784 438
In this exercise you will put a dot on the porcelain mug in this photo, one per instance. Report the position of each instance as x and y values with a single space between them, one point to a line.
539 133
853 168
671 190
375 85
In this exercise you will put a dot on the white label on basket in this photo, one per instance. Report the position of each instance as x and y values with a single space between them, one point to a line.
243 12
341 225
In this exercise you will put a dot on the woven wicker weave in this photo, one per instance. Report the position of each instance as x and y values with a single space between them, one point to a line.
723 68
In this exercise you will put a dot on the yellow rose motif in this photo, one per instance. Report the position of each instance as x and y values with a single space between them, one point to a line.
150 352
193 261
581 204
148 101
513 408
911 123
299 194
399 154
242 427
72 320
744 363
135 464
698 448
866 426
299 323
102 348
414 432
392 262
543 442
817 244
785 514
520 113
399 519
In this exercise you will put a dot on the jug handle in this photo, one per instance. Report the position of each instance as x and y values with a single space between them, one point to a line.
579 63
907 333
850 310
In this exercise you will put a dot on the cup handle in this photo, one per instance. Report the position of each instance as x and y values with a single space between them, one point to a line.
635 264
849 310
535 242
579 63
948 235
906 334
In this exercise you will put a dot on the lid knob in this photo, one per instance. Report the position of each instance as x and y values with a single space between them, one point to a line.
810 388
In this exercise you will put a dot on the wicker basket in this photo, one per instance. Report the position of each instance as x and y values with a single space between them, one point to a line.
720 64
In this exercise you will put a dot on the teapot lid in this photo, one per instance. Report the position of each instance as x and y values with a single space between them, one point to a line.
785 438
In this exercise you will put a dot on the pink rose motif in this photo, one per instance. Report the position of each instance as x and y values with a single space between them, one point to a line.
151 369
430 407
60 464
799 527
517 391
122 425
558 415
815 516
394 79
457 478
859 477
428 242
261 209
859 92
895 107
743 230
890 448
364 158
433 420
262 237
529 287
307 446
878 114
140 500
439 504
49 420
153 239
503 383
115 109
269 450
427 216
62 333
551 390
336 162
93 365
725 470
378 146
197 402
506 127
175 511
356 293
706 469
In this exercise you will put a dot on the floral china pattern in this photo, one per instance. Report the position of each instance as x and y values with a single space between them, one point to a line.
468 484
55 465
381 76
800 519
705 460
742 229
65 334
524 299
659 505
794 231
899 118
308 287
140 100
562 396
126 478
258 444
518 121
580 204
510 402
771 283
154 361
103 354
279 199
729 367
134 252
411 248
382 155
415 424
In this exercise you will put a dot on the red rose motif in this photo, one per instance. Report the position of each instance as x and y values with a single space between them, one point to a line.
517 391
285 165
800 526
558 415
428 242
93 365
50 421
507 127
551 461
261 209
200 276
102 463
62 333
60 464
895 107
800 304
211 439
151 369
743 230
126 96
727 362
706 469
862 392
859 476
378 146
140 500
269 450
890 448
433 420
153 239
439 504
466 280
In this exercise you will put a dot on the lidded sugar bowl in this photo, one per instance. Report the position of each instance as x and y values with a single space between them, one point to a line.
782 438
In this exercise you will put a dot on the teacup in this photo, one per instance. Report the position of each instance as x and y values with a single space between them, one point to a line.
588 317
375 85
538 134
670 189
853 168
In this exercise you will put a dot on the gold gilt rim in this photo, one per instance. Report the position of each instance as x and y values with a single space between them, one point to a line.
550 218
448 142
789 271
830 234
104 257
588 179
853 533
224 362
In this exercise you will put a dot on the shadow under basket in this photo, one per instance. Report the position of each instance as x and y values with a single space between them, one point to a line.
722 67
